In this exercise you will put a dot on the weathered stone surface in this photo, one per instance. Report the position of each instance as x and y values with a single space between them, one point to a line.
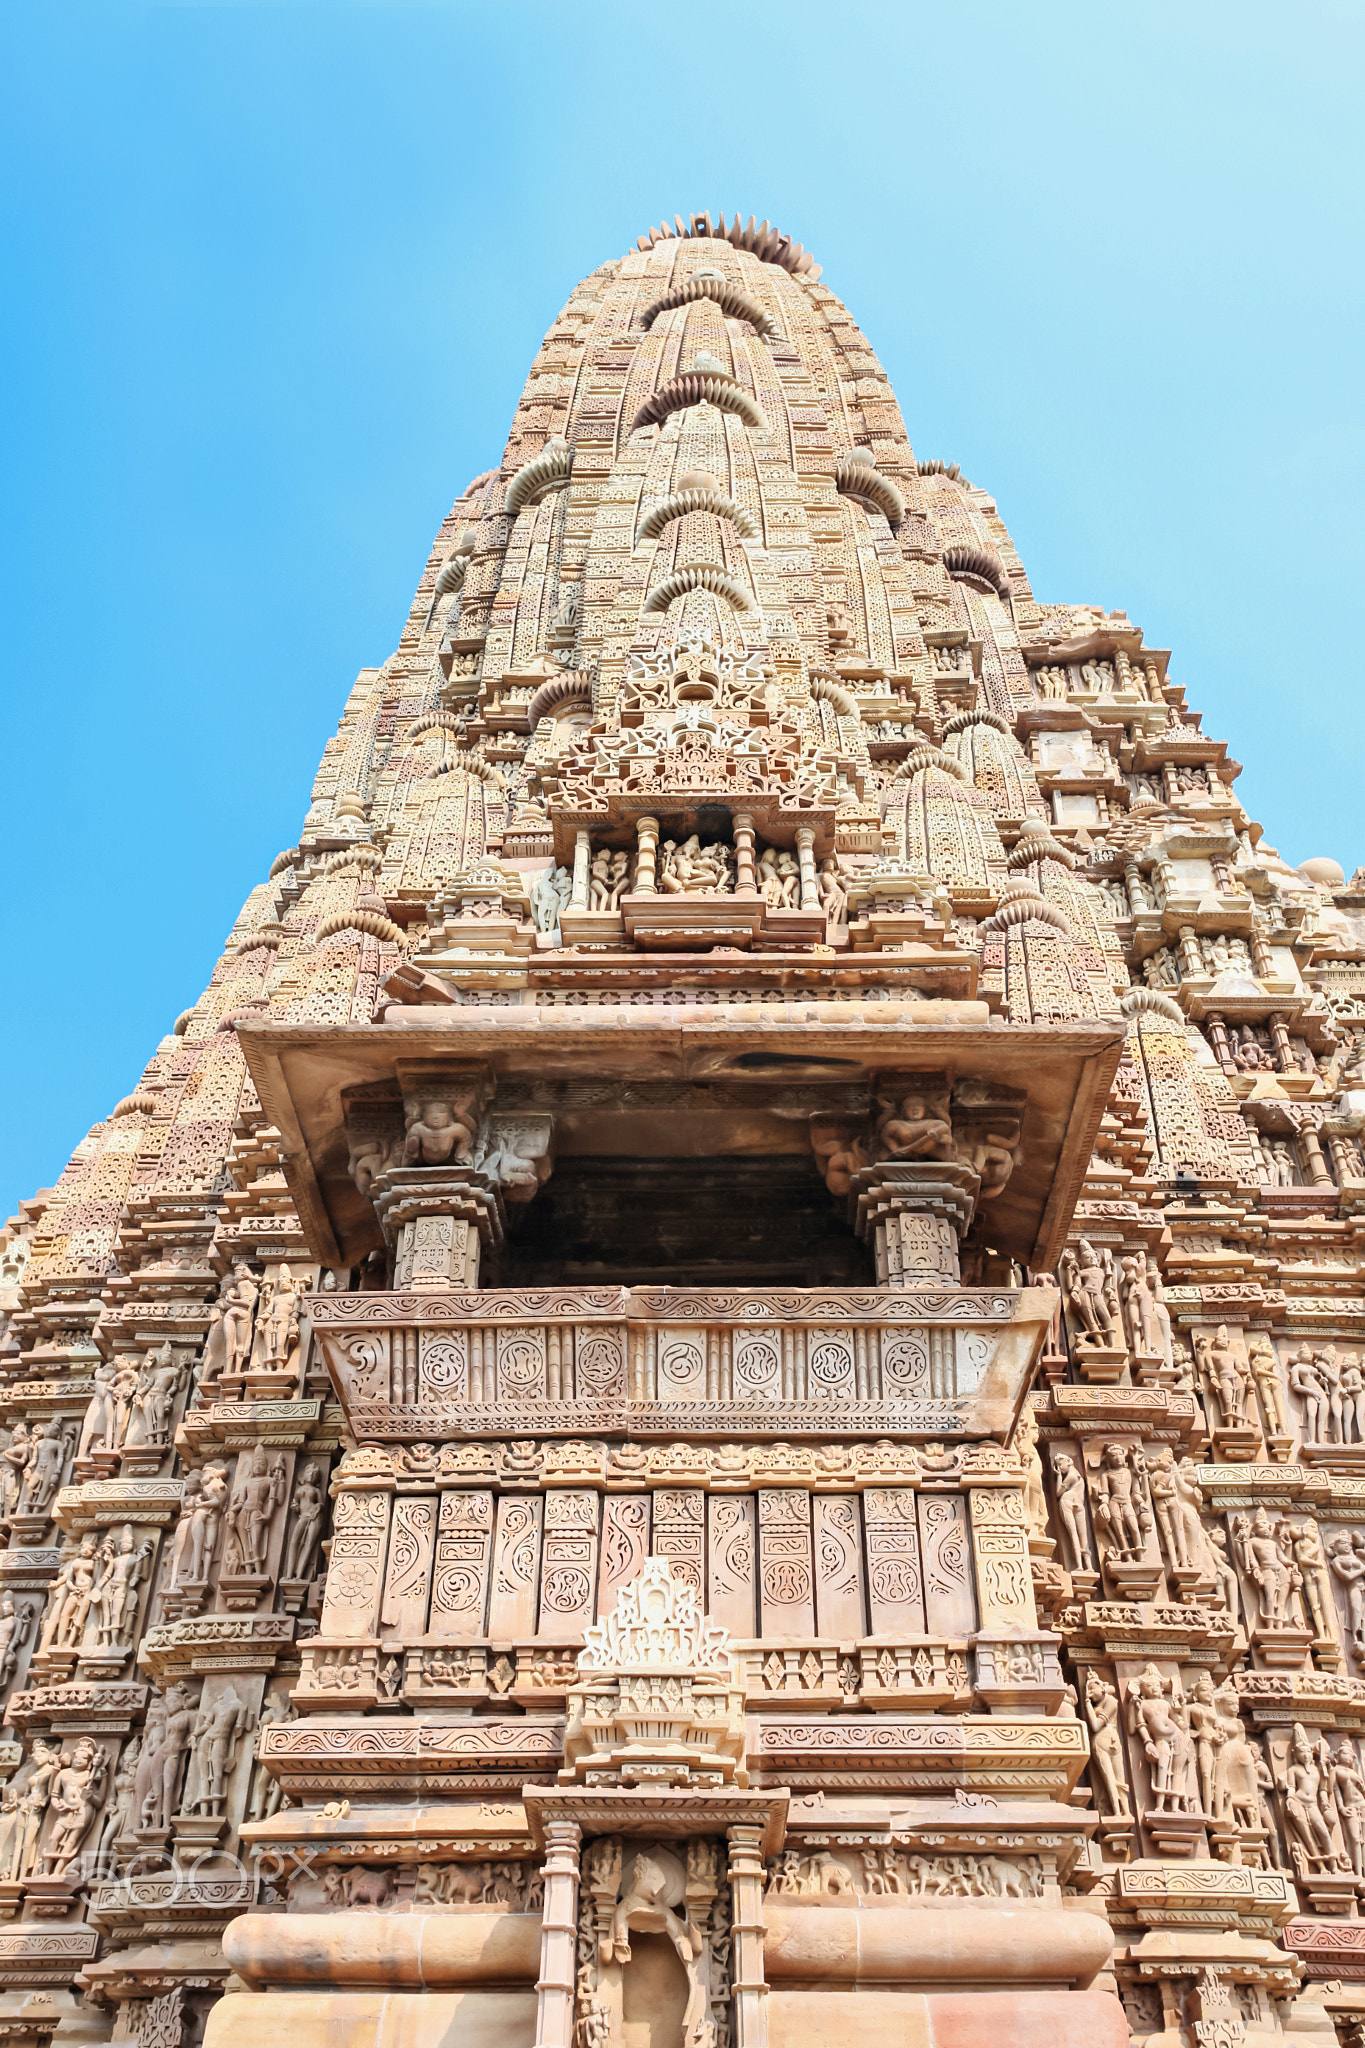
714 1388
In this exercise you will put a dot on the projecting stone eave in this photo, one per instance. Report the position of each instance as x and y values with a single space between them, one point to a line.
301 1073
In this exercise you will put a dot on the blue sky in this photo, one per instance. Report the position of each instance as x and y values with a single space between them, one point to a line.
276 272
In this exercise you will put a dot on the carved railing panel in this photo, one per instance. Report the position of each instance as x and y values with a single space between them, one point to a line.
657 1361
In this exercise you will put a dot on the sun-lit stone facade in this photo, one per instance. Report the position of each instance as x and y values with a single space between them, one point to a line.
713 1394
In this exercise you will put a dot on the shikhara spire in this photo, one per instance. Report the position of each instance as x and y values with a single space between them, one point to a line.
781 1122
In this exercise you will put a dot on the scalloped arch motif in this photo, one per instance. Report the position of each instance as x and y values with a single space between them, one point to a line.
765 242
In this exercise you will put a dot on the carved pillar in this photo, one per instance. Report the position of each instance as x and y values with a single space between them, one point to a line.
745 885
1314 1165
746 1953
1261 957
647 839
1191 959
436 1253
1123 673
1279 1038
582 862
1017 1671
359 1541
558 1934
915 1246
1132 882
439 1222
805 853
915 1210
1218 1037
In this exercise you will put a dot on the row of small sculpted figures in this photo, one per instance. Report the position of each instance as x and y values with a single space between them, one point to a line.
920 1669
692 868
518 1886
74 1811
1191 1755
225 1534
1119 1303
1148 1507
884 1872
528 1463
873 1872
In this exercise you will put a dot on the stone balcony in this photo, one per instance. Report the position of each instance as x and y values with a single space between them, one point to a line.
657 1362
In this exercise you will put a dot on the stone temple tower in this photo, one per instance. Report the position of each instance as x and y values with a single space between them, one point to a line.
713 1394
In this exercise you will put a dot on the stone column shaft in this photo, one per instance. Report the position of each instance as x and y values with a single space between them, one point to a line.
805 851
1218 1033
558 1936
745 884
749 1983
1316 1167
647 836
582 861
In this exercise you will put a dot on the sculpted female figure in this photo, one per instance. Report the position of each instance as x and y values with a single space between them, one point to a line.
69 1599
1106 1744
97 1429
238 1298
15 1455
305 1521
1071 1512
1165 1740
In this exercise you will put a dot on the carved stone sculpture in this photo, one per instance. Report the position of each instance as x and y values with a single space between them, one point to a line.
1070 1491
1310 1832
165 1761
1157 1716
114 1596
73 1801
16 1621
1121 1507
1106 1743
1266 1560
1083 1282
304 1524
69 1597
217 1734
257 1492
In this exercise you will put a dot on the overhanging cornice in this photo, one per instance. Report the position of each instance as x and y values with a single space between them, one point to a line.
300 1072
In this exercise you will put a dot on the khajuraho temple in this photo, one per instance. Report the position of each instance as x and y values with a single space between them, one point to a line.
714 1395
